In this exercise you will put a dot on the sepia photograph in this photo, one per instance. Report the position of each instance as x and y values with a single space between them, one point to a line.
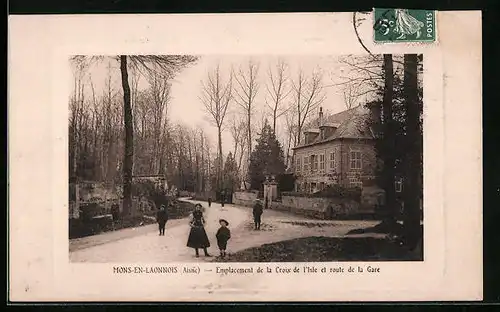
290 157
254 158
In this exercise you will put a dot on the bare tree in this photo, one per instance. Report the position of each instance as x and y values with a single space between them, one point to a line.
350 96
277 90
160 97
168 65
308 95
216 96
238 132
245 95
291 133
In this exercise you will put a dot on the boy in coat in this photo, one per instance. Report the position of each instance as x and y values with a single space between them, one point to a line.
161 218
223 235
257 213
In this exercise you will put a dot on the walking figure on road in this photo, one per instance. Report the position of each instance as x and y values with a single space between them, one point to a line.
266 202
161 218
223 235
209 202
257 213
197 236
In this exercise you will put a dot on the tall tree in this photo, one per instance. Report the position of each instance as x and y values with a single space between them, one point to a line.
246 93
412 188
266 159
277 90
389 159
216 96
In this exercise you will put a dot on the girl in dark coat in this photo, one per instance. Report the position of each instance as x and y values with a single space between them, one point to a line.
223 235
197 236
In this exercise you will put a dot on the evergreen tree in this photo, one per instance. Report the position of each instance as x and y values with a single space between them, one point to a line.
267 157
230 173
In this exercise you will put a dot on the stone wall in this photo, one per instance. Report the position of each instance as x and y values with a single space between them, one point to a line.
321 208
313 207
245 198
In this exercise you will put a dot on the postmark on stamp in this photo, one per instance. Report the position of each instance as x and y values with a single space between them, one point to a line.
403 25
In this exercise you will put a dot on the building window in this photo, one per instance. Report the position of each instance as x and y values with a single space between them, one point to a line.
355 182
332 161
322 163
297 165
306 164
399 185
313 163
313 187
355 160
316 163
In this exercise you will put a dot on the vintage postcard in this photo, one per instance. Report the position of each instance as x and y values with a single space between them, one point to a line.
245 157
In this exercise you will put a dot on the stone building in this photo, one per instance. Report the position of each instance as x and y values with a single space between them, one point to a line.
336 149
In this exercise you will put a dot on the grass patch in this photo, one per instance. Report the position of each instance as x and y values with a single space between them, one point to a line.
381 228
322 249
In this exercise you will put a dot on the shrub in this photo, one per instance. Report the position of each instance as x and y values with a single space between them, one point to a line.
149 190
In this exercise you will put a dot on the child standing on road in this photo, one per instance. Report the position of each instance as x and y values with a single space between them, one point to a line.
223 235
161 218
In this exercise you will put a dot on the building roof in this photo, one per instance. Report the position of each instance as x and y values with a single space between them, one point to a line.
350 124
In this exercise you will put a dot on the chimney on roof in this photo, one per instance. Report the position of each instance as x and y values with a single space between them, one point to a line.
320 120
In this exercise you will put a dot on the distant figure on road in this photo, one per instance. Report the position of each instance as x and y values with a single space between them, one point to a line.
197 236
115 211
161 218
257 213
223 235
209 202
222 200
266 203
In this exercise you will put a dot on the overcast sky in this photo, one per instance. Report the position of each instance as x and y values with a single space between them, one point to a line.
186 108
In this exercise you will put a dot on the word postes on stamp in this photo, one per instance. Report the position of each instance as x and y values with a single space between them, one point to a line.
403 25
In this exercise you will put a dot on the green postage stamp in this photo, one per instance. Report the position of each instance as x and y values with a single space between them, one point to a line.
403 25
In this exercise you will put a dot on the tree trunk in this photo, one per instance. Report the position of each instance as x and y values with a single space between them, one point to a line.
221 182
249 127
275 113
288 151
129 138
412 187
202 182
389 138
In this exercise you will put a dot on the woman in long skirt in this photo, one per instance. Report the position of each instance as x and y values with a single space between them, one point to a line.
197 236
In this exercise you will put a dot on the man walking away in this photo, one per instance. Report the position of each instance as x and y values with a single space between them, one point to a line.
209 202
266 203
257 213
161 218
